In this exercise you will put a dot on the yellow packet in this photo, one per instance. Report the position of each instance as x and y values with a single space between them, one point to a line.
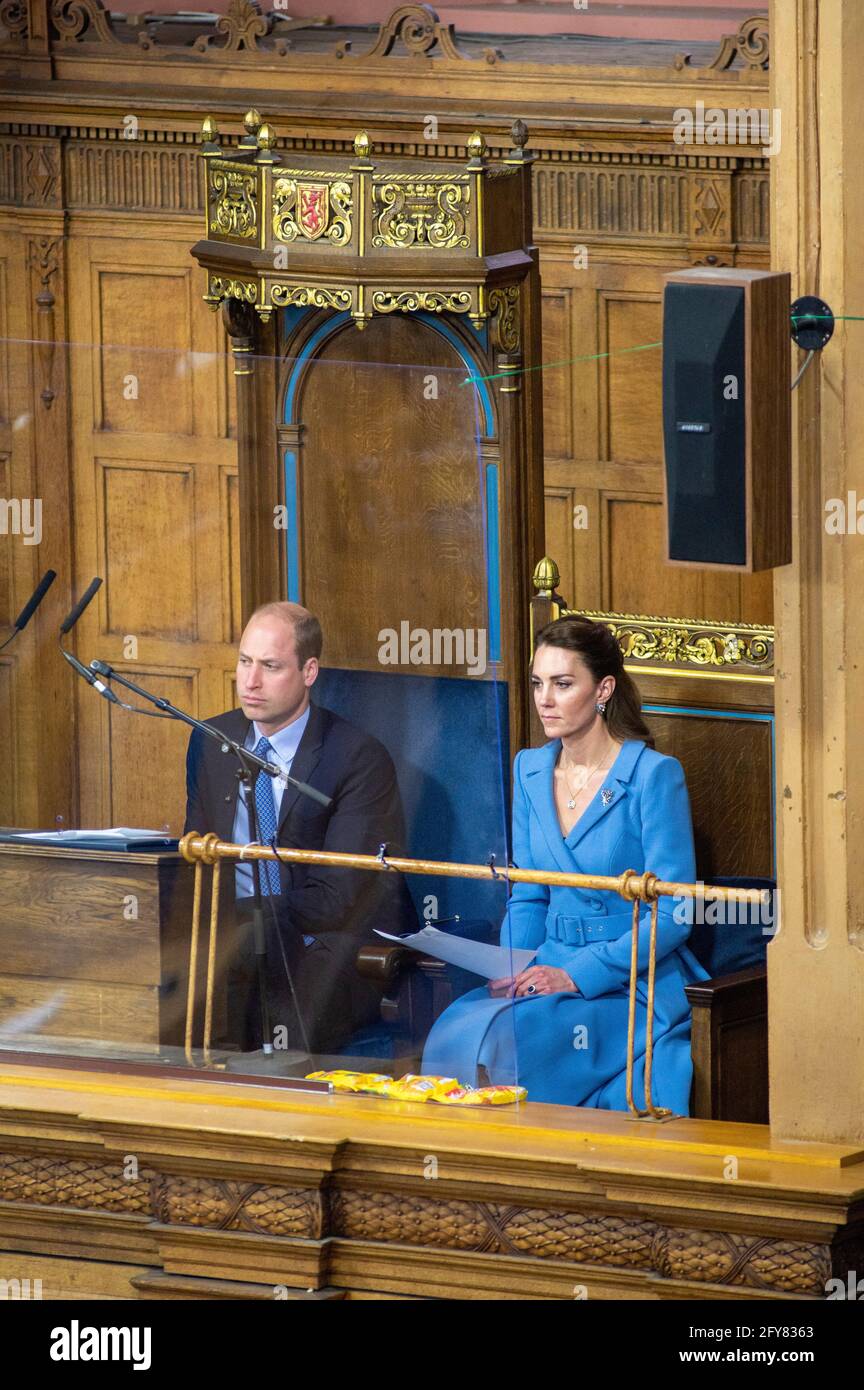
346 1080
373 1083
484 1095
423 1088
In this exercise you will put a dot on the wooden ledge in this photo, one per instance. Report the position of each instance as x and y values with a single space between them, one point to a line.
547 1132
218 1189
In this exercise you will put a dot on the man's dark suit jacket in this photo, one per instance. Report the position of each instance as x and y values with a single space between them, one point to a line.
339 907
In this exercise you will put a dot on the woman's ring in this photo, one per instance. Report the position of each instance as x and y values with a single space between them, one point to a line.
532 989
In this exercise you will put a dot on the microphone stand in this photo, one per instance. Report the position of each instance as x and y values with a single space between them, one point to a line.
248 761
244 755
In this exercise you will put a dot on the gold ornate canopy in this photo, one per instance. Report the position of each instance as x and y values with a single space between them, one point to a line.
284 230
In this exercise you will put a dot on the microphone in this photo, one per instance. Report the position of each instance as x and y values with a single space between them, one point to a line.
72 617
90 678
31 605
69 622
108 671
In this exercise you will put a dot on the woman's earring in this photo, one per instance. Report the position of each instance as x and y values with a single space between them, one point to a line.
600 706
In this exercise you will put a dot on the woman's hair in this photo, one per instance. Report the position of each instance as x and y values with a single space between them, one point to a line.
599 649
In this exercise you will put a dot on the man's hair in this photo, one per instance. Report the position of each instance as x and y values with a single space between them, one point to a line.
308 637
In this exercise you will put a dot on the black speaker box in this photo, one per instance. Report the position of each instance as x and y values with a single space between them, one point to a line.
727 418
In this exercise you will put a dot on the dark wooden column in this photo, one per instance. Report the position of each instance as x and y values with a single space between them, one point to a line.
262 552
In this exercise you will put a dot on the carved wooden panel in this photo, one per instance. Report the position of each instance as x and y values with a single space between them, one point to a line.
391 483
574 531
558 374
630 382
30 172
729 768
147 539
559 525
752 208
143 322
638 195
133 174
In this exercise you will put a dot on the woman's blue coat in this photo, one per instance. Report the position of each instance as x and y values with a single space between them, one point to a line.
569 1048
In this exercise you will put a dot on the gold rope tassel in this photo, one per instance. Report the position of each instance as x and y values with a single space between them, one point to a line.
211 961
642 888
655 1112
631 1017
193 959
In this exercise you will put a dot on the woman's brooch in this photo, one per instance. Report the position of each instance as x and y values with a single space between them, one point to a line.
606 796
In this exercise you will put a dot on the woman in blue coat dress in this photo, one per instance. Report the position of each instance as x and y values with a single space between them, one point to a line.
597 799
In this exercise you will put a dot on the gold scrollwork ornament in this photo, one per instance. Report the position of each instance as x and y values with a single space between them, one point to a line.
421 213
233 210
302 296
417 301
221 288
681 644
504 309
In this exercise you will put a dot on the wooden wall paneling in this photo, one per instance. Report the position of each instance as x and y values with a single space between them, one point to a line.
408 457
629 382
558 402
33 444
17 724
578 545
149 789
147 541
637 578
729 764
569 338
154 508
640 204
142 320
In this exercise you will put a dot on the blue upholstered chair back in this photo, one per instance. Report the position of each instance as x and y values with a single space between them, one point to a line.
724 947
449 741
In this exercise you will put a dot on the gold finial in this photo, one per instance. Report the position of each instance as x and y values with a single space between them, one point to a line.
477 146
546 576
265 137
252 121
209 130
362 145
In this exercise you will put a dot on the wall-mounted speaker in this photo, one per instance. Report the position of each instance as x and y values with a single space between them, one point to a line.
727 417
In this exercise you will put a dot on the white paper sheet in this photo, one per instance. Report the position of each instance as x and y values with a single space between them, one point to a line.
121 832
492 962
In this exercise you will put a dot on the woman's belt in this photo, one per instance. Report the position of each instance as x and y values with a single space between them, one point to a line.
579 931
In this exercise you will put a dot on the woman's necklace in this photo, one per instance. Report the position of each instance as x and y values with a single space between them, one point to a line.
571 804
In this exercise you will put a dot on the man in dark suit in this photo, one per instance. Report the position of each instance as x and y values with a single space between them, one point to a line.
316 995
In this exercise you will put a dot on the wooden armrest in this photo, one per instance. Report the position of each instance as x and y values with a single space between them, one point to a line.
384 962
750 985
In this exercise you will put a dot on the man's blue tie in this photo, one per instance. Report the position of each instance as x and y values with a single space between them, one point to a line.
265 807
